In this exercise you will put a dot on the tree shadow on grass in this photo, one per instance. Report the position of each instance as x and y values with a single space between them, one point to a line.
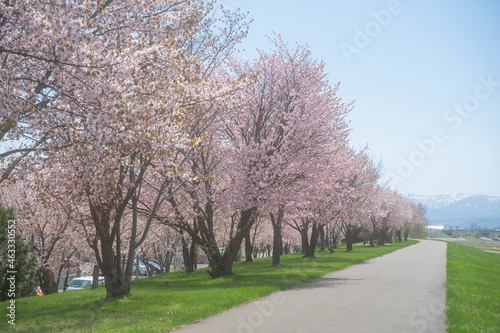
80 308
282 276
72 315
324 282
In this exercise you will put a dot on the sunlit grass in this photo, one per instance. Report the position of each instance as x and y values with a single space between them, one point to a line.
473 290
164 302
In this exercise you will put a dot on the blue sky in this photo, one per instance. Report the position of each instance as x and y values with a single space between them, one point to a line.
425 76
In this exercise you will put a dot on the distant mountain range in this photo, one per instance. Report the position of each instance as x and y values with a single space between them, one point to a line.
460 209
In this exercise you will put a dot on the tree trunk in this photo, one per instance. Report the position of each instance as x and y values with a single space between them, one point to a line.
388 237
286 248
66 280
215 262
117 285
277 244
332 234
223 265
167 262
61 267
47 281
350 233
117 282
245 223
305 241
382 234
188 255
309 252
248 248
407 232
256 251
194 254
303 229
311 247
322 239
277 237
95 277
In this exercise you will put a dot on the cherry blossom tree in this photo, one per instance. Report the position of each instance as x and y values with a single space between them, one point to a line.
98 94
288 118
161 244
198 208
333 198
291 240
414 218
134 117
376 213
387 211
402 217
260 237
48 227
171 196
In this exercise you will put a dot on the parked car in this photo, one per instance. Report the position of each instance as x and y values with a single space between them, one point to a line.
142 268
156 262
83 282
154 267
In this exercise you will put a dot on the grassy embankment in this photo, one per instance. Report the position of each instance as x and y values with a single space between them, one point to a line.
164 302
473 290
482 244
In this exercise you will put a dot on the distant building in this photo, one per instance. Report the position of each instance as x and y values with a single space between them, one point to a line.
473 226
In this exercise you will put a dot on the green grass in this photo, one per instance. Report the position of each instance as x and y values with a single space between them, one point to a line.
473 290
164 302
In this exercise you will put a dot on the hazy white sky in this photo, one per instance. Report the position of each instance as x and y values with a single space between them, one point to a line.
425 76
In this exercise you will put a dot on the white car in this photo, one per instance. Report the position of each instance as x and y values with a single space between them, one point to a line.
84 282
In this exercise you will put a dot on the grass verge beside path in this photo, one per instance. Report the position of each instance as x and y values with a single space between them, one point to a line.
165 302
482 244
473 290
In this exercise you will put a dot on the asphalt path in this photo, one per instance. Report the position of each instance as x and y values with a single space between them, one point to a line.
403 291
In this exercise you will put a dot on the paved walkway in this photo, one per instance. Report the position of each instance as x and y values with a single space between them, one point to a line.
403 291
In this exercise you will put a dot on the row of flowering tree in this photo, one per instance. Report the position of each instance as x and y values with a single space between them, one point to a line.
134 129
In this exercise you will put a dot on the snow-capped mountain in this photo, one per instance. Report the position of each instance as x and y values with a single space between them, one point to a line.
460 209
437 201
